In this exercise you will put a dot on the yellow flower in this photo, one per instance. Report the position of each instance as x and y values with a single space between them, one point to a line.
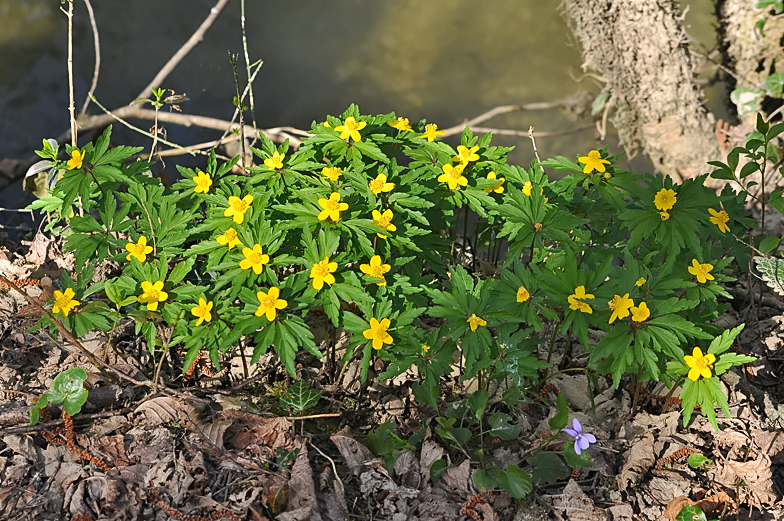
383 221
522 294
64 302
140 250
238 207
321 272
331 207
229 237
254 258
203 182
75 163
641 313
269 303
379 184
664 215
326 124
720 219
331 172
465 155
495 188
640 282
401 124
607 175
579 293
701 271
593 161
202 311
431 131
699 365
665 199
378 333
425 348
351 127
527 187
453 176
153 294
475 321
620 307
275 162
376 269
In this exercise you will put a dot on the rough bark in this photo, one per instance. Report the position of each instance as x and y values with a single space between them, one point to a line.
753 55
640 50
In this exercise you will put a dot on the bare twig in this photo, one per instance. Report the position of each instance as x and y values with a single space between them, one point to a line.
71 106
506 109
334 467
524 133
533 142
97 45
137 129
314 416
194 40
57 423
233 61
247 70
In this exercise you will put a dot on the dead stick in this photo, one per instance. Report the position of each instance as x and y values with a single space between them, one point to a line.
505 109
97 46
313 416
192 42
57 423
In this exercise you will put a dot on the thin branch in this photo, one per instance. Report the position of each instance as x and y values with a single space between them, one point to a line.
97 45
184 50
137 129
56 423
506 109
524 133
247 70
71 105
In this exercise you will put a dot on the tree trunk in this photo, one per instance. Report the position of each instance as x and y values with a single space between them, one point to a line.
640 50
752 54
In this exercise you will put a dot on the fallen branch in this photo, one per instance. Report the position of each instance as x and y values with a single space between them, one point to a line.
506 109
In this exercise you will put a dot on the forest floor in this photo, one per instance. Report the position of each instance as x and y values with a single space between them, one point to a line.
220 446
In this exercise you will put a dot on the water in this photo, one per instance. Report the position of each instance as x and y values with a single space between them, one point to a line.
443 60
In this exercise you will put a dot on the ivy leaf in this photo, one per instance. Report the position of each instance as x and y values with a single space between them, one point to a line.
302 398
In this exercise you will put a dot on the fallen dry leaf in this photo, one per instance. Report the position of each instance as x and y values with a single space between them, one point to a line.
638 460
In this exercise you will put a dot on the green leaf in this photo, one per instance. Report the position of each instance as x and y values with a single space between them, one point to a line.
68 388
181 270
500 426
302 398
746 99
477 403
574 460
558 421
562 164
772 270
436 469
516 482
548 467
697 460
769 244
691 513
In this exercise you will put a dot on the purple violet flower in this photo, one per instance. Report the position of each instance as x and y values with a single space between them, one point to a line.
581 439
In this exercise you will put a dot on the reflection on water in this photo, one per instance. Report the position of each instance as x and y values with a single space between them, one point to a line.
444 60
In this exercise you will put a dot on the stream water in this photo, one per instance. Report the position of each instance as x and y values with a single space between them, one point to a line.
444 60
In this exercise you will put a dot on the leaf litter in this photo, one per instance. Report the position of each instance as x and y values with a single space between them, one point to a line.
209 452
